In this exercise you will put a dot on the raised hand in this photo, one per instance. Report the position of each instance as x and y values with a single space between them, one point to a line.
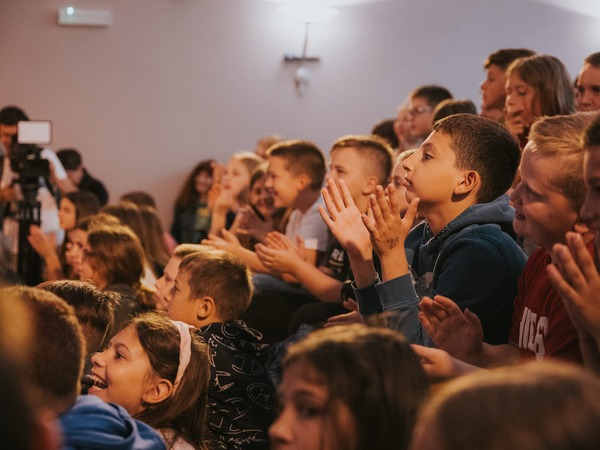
44 245
249 224
457 332
576 279
388 230
228 242
217 185
344 220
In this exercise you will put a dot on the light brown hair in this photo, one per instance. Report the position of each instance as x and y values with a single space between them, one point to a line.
58 352
549 77
376 154
559 138
301 158
533 406
223 277
375 373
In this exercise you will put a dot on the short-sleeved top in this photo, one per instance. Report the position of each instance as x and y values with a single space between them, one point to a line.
309 226
541 326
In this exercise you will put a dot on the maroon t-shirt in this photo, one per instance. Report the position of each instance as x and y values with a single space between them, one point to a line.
541 326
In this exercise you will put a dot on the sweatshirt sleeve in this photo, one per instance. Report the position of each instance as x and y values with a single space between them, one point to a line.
398 297
474 272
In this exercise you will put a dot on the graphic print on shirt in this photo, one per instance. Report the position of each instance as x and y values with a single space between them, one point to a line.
532 331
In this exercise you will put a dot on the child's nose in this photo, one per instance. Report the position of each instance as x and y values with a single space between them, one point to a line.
97 359
280 432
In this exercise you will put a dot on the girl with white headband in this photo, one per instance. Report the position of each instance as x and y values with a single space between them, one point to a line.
157 369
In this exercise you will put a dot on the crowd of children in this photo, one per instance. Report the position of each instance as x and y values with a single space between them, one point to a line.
365 302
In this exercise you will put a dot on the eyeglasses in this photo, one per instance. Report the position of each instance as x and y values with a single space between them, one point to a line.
418 110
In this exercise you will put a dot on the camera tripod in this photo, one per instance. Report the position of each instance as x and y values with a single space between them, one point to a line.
29 262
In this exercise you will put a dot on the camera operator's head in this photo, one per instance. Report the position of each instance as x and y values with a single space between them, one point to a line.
71 161
10 116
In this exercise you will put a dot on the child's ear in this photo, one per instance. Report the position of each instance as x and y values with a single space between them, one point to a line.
206 308
302 182
370 184
469 181
160 389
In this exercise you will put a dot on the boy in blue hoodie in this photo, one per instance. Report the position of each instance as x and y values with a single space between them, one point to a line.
465 247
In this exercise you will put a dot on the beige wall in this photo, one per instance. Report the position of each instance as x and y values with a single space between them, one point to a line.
172 82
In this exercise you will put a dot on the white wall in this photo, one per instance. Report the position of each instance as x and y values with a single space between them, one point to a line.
172 82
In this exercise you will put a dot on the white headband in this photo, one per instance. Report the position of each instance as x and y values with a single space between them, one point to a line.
185 349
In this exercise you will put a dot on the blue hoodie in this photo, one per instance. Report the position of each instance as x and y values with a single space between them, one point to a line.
94 424
475 261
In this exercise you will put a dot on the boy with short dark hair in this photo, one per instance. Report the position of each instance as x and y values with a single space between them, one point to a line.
492 89
466 244
423 101
547 201
78 174
211 290
94 309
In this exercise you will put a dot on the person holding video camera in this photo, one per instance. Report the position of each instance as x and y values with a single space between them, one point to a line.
27 171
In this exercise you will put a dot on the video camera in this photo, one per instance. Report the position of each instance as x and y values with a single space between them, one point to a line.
27 163
25 155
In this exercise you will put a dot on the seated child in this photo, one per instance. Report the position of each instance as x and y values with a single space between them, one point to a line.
466 245
294 178
164 285
521 407
113 259
349 387
191 218
587 85
257 219
547 202
94 309
232 190
423 101
25 423
363 162
157 369
57 363
575 276
211 290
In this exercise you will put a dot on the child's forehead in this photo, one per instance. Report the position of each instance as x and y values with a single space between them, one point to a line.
537 167
345 153
439 142
419 100
277 162
304 371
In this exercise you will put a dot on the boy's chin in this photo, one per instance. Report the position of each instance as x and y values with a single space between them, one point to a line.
409 196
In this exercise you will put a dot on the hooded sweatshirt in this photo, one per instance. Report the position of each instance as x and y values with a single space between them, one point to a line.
94 424
474 260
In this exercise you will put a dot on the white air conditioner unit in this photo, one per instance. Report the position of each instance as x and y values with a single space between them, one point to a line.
84 17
